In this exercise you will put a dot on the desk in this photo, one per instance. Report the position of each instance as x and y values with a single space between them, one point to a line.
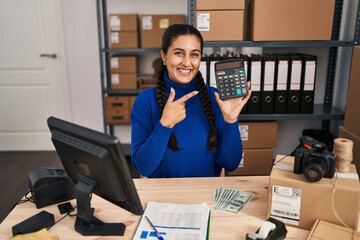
223 225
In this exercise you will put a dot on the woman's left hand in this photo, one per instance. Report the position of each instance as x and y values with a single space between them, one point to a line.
232 107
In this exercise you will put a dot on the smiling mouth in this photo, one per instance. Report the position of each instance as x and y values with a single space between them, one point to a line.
184 71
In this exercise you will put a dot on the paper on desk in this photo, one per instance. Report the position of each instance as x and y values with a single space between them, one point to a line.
174 221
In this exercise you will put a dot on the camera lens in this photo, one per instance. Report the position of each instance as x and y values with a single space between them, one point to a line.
314 172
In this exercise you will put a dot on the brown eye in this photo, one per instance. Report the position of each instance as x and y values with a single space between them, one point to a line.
179 53
195 55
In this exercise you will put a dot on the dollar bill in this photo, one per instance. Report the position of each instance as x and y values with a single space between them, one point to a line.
231 200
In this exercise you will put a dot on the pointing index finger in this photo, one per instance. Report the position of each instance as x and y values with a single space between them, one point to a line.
188 96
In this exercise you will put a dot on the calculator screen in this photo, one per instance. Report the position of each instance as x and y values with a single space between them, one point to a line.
234 64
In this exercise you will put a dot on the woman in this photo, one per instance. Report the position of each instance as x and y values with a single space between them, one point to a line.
181 128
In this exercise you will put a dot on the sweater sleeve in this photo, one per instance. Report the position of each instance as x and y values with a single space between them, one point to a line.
149 139
230 147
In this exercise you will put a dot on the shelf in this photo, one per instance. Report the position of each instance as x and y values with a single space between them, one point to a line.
122 92
319 114
139 51
281 44
130 51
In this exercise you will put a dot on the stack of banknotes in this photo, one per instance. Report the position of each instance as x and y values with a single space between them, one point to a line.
231 200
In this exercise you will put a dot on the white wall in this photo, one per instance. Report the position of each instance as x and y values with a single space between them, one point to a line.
82 49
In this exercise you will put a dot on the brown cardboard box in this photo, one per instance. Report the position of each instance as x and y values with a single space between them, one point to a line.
221 25
153 27
126 64
220 5
254 162
352 113
284 20
123 22
345 133
117 116
123 81
117 109
131 102
298 202
258 134
124 39
117 102
323 230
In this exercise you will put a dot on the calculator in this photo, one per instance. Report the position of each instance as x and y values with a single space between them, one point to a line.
230 78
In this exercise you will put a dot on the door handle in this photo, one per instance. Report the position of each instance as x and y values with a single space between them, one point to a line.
48 55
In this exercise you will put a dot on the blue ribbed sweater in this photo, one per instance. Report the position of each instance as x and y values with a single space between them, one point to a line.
151 155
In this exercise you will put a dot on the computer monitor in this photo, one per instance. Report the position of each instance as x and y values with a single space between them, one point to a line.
96 163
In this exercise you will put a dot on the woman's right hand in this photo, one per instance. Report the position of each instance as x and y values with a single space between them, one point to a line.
174 111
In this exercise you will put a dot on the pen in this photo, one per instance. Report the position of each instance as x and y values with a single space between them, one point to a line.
156 231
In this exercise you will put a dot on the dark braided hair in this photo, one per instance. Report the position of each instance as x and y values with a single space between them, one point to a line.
170 34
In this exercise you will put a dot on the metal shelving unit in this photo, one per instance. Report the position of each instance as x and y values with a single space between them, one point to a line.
324 112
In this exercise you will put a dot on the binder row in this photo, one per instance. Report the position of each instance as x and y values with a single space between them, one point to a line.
280 83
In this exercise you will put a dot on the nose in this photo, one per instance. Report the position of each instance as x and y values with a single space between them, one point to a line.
186 61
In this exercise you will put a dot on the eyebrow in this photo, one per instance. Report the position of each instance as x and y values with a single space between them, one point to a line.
194 50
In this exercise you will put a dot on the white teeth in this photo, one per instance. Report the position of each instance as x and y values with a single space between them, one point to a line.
184 70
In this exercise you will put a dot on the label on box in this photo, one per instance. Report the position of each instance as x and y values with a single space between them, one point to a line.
284 166
115 37
241 164
348 175
285 204
244 132
114 63
115 79
164 23
147 23
203 22
115 23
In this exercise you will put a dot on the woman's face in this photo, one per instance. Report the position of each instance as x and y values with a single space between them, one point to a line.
183 58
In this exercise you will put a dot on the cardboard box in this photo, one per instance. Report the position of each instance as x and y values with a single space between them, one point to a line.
298 202
118 116
284 20
352 113
123 22
258 134
117 109
153 27
123 81
117 102
323 230
131 102
345 133
220 5
124 39
254 162
126 64
221 25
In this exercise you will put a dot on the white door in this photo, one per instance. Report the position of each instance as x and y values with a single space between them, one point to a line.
33 83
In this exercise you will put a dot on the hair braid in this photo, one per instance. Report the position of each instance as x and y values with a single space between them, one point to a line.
161 100
207 107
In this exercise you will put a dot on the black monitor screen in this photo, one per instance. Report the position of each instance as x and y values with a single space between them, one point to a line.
96 163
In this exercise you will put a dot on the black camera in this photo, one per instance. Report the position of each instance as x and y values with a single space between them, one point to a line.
314 160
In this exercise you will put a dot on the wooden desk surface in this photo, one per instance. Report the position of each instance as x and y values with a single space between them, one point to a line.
223 225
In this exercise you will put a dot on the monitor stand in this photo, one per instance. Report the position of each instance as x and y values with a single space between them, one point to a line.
86 223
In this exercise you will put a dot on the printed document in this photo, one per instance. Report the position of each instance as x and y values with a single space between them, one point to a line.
174 221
